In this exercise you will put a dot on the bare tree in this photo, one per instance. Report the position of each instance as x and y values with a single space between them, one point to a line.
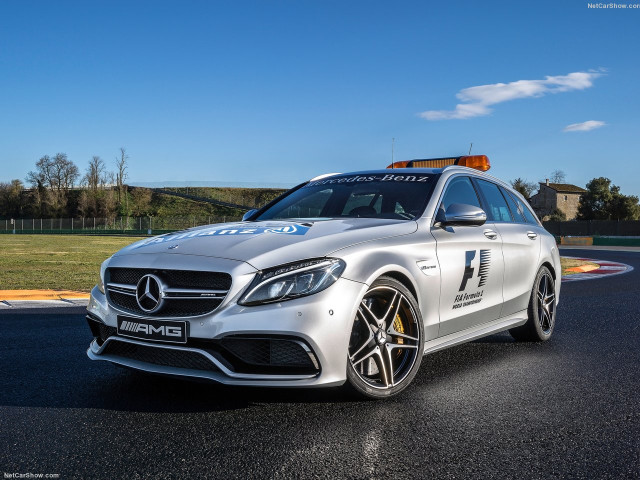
558 176
58 174
96 175
121 173
42 173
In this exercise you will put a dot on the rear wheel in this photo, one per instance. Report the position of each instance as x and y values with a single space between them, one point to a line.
387 341
541 311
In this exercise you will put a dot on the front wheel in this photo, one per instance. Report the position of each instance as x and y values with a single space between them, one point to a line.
387 341
541 312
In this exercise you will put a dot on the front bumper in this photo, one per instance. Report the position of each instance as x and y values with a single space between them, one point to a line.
319 324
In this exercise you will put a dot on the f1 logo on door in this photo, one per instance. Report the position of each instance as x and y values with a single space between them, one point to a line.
483 269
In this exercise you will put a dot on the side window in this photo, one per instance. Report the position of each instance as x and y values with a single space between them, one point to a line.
516 211
460 190
524 209
498 209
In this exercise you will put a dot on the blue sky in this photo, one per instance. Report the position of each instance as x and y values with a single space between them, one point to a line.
280 91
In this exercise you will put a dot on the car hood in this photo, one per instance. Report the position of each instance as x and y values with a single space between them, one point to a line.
270 243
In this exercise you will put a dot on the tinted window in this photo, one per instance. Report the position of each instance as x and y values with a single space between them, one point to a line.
498 209
460 190
309 206
525 210
516 211
373 195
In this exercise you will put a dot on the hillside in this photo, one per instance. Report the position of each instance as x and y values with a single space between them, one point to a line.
139 202
251 197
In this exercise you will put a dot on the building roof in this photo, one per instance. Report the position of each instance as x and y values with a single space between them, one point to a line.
564 187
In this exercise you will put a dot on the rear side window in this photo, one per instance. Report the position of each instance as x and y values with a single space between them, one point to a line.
498 209
524 209
460 190
516 211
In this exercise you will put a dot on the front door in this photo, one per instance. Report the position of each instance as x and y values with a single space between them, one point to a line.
471 266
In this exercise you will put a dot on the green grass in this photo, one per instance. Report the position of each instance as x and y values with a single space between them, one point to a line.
73 261
55 261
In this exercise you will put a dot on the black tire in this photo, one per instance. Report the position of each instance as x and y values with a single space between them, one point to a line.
541 311
387 341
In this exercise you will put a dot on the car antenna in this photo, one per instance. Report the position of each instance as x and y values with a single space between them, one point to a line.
470 147
393 141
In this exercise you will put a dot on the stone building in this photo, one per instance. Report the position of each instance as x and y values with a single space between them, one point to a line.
563 196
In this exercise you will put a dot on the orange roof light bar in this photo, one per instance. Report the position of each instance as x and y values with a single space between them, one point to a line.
477 162
433 163
398 164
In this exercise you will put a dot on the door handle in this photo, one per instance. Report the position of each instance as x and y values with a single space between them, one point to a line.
490 234
532 235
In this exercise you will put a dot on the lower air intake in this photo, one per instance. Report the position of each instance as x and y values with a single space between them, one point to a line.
160 356
99 330
271 353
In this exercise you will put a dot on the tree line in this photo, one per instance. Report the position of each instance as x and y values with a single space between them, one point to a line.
103 193
59 189
602 200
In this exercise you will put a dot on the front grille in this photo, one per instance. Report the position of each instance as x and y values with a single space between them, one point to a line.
187 292
189 279
160 356
270 352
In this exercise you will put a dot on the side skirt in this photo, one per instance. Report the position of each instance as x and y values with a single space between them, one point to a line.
474 333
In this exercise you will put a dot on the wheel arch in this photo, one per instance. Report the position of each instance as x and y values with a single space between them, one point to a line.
551 269
400 274
404 280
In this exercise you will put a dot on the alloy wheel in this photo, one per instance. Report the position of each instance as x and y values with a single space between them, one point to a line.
546 303
385 338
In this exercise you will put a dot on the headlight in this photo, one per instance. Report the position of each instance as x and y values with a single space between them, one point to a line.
293 281
103 269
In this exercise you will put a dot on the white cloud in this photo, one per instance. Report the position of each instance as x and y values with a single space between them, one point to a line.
584 126
477 100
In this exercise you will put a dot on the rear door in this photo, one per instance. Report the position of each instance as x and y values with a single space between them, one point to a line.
520 246
471 265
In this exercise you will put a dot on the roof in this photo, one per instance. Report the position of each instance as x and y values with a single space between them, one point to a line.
564 187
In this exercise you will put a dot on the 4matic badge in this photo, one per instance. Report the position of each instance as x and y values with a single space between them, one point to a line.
466 299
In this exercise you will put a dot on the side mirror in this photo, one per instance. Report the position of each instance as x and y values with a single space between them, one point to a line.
248 215
461 214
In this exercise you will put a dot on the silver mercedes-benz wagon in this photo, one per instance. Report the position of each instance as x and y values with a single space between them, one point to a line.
347 278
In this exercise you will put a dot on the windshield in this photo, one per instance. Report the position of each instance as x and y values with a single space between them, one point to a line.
371 195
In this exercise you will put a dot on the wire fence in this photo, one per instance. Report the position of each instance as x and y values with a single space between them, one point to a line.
623 228
155 225
116 225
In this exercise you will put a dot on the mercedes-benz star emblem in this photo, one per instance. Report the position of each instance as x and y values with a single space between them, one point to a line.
149 293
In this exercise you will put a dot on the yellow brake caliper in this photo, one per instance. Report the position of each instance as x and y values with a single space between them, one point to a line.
397 324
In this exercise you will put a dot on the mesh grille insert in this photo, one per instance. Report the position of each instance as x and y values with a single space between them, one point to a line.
160 356
268 352
173 278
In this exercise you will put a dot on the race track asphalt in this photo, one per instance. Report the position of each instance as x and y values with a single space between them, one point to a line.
568 408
